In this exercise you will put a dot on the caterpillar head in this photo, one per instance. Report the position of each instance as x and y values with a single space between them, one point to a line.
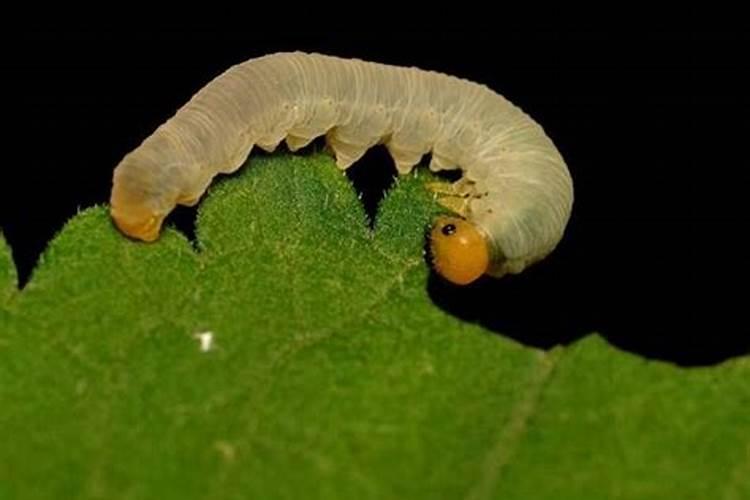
459 250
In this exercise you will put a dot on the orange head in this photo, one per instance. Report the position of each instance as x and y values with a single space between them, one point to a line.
459 250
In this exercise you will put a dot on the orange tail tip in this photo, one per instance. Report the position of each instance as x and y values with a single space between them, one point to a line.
145 228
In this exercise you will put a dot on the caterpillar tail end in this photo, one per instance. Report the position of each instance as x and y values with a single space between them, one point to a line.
460 253
144 228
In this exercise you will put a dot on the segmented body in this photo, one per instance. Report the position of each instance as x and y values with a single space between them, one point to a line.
517 188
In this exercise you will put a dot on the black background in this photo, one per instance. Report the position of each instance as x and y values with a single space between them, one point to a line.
650 124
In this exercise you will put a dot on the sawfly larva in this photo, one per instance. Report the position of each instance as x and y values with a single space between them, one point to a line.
512 202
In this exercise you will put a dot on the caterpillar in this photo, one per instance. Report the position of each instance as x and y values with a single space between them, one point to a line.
511 204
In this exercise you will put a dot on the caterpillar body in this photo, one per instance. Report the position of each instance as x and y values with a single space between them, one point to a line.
512 202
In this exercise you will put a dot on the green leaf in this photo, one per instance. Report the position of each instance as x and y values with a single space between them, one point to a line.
7 273
331 373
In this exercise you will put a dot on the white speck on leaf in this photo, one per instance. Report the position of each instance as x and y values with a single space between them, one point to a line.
206 340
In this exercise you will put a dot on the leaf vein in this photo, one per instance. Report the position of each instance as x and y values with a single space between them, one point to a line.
511 435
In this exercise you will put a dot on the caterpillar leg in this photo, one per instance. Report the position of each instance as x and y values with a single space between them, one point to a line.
189 201
345 152
454 196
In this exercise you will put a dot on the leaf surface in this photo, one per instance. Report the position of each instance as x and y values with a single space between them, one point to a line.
330 374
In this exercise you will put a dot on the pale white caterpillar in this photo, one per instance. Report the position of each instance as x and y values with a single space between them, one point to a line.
512 202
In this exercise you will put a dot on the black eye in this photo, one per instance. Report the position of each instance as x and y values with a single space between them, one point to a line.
449 229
